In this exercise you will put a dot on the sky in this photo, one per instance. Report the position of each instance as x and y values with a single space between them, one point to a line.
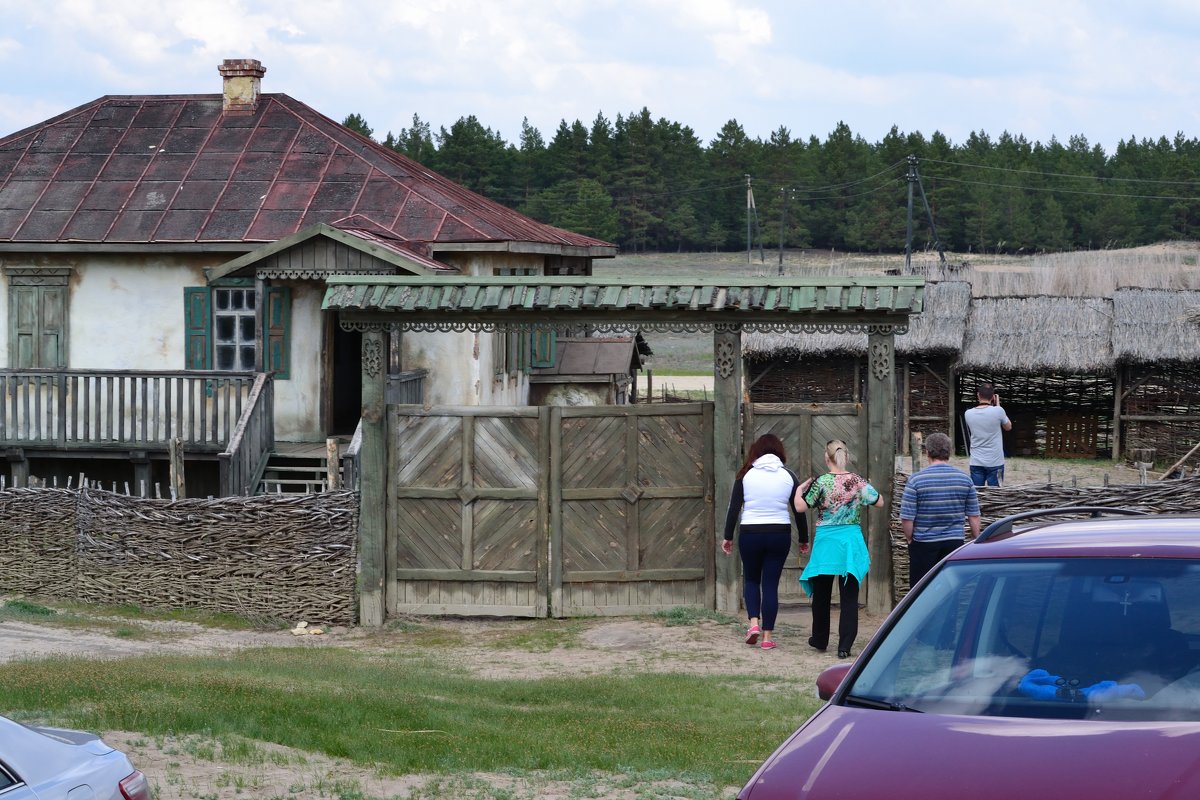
1107 71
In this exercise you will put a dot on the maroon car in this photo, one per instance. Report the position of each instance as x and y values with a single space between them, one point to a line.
1058 659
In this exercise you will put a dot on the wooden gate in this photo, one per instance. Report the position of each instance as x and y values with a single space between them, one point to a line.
467 512
631 509
529 511
804 429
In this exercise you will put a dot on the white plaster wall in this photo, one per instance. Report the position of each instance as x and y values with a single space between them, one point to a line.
460 364
128 313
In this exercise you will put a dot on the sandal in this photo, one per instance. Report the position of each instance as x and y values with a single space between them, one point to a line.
752 635
768 644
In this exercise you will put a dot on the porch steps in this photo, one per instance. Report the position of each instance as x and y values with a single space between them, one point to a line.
288 474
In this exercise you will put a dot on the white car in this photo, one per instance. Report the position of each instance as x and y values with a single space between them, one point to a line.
56 764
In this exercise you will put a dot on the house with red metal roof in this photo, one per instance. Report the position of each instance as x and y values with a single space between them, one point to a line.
163 260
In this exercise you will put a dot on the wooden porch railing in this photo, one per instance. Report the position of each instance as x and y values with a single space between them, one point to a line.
253 439
121 409
350 460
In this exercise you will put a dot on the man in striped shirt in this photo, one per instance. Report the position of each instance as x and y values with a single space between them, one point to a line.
936 503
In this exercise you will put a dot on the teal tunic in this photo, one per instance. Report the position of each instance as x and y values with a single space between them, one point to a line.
838 546
837 550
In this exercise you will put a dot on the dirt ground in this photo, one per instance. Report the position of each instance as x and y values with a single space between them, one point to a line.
194 768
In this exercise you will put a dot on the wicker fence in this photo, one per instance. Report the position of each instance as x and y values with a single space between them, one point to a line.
288 557
1164 497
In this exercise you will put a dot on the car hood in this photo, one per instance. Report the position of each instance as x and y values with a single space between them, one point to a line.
854 753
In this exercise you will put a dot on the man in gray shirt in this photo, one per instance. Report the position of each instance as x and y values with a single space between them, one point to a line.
985 424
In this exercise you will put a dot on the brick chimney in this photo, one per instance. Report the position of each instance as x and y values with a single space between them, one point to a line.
241 77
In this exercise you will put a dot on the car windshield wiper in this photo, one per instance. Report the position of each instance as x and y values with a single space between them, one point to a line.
882 705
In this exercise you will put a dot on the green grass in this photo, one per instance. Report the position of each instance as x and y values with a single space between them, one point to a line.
689 615
411 715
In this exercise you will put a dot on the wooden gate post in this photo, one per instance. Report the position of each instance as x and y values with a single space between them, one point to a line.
881 460
372 509
727 452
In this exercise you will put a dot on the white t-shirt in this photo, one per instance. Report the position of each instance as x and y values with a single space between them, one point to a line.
986 424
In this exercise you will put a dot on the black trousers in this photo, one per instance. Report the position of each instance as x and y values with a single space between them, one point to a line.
924 556
764 550
822 598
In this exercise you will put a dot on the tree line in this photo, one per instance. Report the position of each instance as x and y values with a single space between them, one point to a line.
652 185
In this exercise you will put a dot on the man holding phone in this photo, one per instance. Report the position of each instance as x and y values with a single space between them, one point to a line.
986 424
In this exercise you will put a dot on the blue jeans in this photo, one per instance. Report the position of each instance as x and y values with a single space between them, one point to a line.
986 476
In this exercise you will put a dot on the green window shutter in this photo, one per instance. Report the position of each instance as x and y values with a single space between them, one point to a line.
197 328
23 326
542 347
277 324
53 335
38 327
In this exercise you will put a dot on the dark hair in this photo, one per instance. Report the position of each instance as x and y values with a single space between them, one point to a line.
937 446
767 444
985 392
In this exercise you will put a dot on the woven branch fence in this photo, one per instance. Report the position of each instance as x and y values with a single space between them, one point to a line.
289 557
995 502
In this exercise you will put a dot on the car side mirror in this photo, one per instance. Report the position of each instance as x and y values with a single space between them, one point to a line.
829 680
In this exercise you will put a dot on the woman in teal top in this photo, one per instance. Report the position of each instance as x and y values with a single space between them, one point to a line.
839 549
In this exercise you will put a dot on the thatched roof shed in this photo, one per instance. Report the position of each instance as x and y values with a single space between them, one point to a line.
939 328
1155 325
1068 335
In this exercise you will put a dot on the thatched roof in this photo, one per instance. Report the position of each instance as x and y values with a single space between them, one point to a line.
937 329
1039 334
1151 325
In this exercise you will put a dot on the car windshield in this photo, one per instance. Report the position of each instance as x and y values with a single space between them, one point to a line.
1077 638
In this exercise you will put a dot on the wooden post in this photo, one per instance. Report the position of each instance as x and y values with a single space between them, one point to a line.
175 457
881 460
20 467
372 514
333 473
727 453
141 470
1118 401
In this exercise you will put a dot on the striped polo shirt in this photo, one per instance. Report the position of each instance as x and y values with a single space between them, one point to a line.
938 499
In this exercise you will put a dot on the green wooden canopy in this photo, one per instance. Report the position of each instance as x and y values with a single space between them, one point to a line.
458 302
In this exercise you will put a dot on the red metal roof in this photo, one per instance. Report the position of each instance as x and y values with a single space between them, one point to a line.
173 168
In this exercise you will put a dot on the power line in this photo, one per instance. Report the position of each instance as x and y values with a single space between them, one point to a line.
1060 174
1057 190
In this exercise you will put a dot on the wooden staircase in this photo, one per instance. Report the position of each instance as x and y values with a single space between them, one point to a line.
297 468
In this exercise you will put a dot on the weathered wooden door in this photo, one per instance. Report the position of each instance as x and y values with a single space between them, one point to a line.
468 515
631 509
804 429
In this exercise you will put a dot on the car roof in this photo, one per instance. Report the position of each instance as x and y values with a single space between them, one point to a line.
1143 536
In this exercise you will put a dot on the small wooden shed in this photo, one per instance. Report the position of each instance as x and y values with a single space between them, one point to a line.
1156 345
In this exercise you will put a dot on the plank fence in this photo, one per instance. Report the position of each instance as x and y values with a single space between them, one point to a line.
284 557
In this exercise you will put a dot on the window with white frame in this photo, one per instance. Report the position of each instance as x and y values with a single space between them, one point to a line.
234 329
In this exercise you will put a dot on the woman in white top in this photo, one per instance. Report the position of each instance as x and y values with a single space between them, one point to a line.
763 502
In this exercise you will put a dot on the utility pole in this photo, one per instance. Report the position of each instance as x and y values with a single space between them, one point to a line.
910 178
786 193
749 210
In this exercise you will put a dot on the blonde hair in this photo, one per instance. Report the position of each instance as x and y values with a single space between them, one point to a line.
836 453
